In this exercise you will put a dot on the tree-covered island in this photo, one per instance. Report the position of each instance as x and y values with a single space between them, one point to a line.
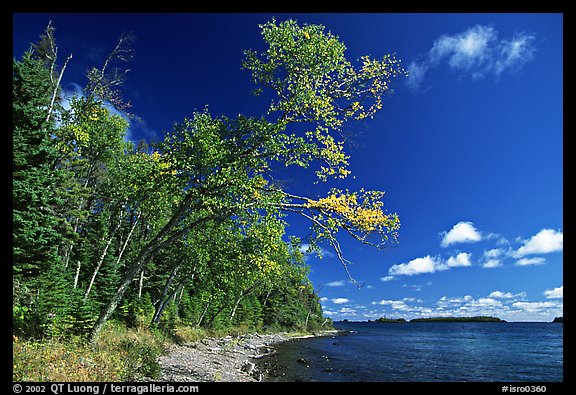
458 319
385 320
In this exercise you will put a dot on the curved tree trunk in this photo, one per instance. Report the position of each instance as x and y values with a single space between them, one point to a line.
162 239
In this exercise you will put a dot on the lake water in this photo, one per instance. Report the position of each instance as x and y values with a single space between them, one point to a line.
425 351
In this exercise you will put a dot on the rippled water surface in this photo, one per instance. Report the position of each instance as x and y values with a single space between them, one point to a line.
426 351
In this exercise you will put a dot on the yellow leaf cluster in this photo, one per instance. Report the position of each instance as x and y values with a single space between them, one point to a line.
163 165
81 135
367 219
95 113
267 266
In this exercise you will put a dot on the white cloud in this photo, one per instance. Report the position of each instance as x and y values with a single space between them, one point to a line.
514 53
340 300
500 304
544 242
426 264
307 250
556 293
462 259
494 253
445 301
501 295
339 283
491 258
491 263
505 295
534 306
412 300
395 304
484 302
465 51
416 73
400 305
477 52
530 261
462 232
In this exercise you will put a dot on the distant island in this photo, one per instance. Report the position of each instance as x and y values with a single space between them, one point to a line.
389 320
385 320
558 319
459 319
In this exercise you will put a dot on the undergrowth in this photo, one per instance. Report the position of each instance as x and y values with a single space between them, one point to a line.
120 354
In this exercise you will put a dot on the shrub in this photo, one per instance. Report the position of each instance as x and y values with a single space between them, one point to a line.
120 354
188 334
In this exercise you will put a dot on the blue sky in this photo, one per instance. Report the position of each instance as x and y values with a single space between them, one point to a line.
469 148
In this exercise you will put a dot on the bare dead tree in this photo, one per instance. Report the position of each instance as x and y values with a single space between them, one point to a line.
47 51
103 84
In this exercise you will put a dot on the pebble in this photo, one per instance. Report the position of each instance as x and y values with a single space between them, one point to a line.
227 359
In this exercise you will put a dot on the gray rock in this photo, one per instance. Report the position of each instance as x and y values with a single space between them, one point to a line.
248 367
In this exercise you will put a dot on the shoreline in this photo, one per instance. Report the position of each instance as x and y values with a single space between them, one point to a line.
226 359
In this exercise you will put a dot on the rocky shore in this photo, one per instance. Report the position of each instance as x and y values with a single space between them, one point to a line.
229 359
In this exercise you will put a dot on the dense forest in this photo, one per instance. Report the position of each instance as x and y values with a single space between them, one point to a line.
189 231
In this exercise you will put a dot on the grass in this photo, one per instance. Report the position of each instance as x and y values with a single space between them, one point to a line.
120 354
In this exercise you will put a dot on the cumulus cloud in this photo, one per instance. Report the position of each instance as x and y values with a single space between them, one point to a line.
477 52
555 293
340 300
492 258
498 303
485 302
491 263
395 304
462 259
544 242
506 295
462 232
534 306
425 264
493 253
530 261
444 300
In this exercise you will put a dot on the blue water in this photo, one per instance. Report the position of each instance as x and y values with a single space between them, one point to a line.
425 351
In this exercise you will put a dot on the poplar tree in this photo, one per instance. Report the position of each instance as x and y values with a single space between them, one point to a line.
223 165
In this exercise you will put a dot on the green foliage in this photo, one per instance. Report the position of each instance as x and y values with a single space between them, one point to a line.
307 70
36 223
313 83
186 235
121 354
